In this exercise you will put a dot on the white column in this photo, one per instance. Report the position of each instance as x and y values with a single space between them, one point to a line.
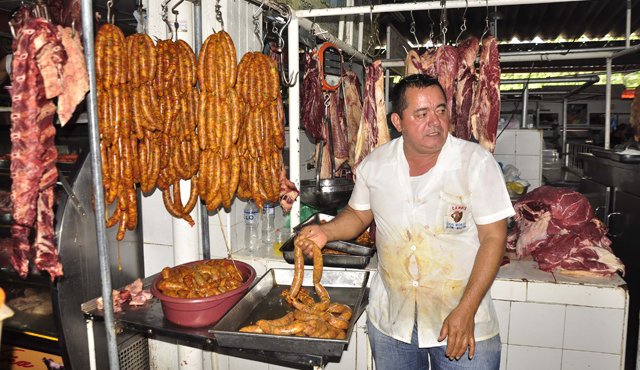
607 108
294 116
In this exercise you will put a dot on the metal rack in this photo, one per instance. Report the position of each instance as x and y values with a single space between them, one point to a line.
299 19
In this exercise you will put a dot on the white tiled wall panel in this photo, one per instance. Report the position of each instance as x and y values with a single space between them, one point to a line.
506 143
156 220
156 258
505 159
529 166
579 295
577 360
502 310
533 358
594 329
534 324
503 357
509 290
528 142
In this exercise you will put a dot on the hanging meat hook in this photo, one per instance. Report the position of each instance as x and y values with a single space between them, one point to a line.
287 81
256 24
443 21
219 14
486 23
431 34
174 10
165 16
464 20
413 29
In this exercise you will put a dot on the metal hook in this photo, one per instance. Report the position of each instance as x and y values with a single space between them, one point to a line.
443 21
256 25
431 33
486 23
464 20
165 16
219 14
13 30
110 16
413 29
73 28
175 12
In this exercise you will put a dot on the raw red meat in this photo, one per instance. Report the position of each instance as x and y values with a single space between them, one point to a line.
338 128
353 108
464 90
373 130
485 111
412 63
33 153
558 228
311 96
446 72
5 202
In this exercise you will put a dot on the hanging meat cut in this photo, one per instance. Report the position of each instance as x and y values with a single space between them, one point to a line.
485 111
311 95
464 90
373 130
338 129
353 110
446 72
558 228
412 64
75 77
37 64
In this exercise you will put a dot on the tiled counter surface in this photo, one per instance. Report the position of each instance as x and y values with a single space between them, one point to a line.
553 321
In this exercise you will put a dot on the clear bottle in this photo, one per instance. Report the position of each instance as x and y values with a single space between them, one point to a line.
268 226
251 226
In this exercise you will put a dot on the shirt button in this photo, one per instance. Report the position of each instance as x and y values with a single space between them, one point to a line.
413 247
415 283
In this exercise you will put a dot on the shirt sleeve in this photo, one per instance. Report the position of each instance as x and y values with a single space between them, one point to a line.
360 200
490 200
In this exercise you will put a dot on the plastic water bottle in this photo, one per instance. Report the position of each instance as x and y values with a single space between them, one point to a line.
268 224
251 223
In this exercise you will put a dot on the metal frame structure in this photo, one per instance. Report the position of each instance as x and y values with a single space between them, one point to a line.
299 19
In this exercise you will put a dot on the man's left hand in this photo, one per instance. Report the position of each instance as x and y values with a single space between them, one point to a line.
458 329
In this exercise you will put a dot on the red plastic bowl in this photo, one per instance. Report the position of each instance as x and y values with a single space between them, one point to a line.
197 312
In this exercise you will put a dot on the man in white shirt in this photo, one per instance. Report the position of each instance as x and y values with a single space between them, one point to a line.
440 206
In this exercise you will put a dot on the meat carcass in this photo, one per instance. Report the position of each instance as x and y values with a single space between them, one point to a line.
33 153
558 228
338 129
485 111
353 110
446 72
428 62
373 130
75 77
465 88
412 63
66 13
311 95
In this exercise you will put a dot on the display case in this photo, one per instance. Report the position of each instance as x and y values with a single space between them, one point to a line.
47 316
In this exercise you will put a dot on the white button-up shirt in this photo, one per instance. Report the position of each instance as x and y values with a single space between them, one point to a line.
427 241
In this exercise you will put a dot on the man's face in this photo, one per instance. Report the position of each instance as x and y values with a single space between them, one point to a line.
425 122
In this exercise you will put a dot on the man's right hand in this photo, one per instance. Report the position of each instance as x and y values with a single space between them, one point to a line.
308 236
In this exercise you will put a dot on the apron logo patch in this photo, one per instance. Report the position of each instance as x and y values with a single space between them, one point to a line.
455 219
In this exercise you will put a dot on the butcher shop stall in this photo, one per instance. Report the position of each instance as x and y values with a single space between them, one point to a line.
158 158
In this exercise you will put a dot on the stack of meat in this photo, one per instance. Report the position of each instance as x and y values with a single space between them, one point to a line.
473 98
48 63
357 127
558 228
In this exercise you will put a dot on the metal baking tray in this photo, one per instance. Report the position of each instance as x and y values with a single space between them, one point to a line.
358 255
263 301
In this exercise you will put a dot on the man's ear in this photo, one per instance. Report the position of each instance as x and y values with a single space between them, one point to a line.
395 119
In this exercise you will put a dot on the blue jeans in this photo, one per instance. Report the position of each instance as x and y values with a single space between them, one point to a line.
392 354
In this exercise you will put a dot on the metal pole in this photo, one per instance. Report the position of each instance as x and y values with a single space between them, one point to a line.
565 151
622 52
627 40
387 82
96 177
525 103
315 28
607 108
204 216
294 115
424 5
579 78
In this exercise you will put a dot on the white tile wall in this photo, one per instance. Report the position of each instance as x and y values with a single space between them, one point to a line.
578 295
156 220
156 257
503 308
534 324
530 166
506 143
505 159
528 142
577 360
533 358
509 290
594 329
503 357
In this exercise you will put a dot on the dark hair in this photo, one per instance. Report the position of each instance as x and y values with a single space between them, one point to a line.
398 98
